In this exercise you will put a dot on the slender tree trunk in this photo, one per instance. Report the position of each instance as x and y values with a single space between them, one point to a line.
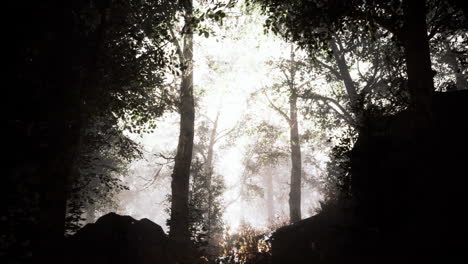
209 170
179 223
296 168
269 195
418 62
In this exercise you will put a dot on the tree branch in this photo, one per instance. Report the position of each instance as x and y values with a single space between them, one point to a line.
177 44
154 179
226 133
283 114
330 68
285 76
385 23
370 83
345 115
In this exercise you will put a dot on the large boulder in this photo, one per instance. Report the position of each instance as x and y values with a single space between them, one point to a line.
409 196
116 239
413 184
335 235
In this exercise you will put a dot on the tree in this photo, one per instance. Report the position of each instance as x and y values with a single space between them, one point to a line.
291 71
209 136
368 87
264 160
448 41
100 168
207 187
312 23
192 23
114 48
179 229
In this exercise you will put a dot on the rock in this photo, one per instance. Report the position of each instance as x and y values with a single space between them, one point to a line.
116 239
335 235
414 185
410 196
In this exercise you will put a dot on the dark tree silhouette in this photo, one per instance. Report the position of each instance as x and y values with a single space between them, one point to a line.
179 222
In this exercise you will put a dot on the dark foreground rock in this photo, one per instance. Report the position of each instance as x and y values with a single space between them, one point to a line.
410 190
116 239
336 235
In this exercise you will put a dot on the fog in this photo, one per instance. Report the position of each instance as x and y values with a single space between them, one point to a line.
230 70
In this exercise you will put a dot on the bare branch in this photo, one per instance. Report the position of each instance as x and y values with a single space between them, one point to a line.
341 115
154 179
283 114
233 200
225 132
345 115
165 157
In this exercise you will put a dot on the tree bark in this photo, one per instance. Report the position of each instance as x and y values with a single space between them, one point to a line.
209 170
179 222
296 163
418 62
60 115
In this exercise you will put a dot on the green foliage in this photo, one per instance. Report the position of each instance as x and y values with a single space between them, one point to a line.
371 32
119 68
120 59
338 181
266 149
200 190
248 245
104 157
204 232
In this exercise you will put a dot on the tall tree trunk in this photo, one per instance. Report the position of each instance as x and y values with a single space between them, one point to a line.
418 62
421 88
60 114
179 223
296 168
209 170
269 196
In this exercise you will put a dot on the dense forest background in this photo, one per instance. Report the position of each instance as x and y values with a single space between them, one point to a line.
247 130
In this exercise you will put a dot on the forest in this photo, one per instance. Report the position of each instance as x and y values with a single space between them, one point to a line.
235 131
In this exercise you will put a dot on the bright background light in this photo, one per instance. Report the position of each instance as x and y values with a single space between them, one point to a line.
240 51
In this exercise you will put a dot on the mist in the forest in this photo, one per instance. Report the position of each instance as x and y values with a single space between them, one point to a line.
231 71
235 131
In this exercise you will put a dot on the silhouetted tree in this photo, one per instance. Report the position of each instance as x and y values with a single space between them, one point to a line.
114 48
179 224
312 24
291 70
